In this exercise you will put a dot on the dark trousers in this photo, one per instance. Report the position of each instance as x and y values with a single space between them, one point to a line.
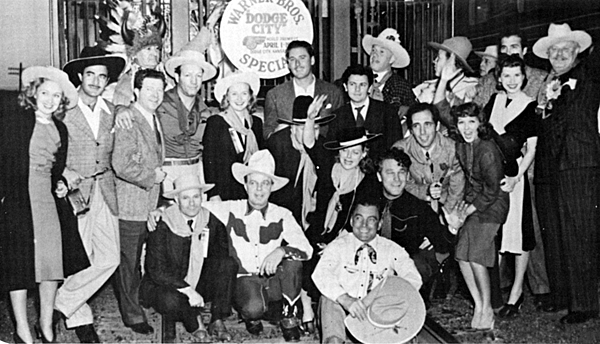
253 293
568 213
132 235
215 285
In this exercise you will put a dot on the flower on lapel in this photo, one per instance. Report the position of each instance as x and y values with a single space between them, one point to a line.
443 166
554 89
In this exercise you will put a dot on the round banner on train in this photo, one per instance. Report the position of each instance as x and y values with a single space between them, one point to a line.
255 33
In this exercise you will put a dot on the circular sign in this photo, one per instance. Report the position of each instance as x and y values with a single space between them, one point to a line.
255 33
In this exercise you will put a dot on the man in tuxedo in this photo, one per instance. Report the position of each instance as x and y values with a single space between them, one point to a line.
375 116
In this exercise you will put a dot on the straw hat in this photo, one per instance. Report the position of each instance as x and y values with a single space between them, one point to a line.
249 78
561 33
349 137
92 56
192 53
56 75
187 182
395 313
490 51
390 40
301 105
459 46
260 162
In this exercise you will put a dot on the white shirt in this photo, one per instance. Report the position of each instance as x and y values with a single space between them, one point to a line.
363 111
93 116
380 76
301 91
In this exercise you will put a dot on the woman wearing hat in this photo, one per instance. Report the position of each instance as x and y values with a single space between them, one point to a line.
33 148
512 114
232 136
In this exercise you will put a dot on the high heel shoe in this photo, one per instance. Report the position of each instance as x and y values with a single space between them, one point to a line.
509 311
40 335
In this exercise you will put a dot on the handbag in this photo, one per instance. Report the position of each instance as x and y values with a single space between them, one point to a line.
78 202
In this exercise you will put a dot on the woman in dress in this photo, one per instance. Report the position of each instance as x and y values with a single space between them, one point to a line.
512 114
233 135
483 210
33 148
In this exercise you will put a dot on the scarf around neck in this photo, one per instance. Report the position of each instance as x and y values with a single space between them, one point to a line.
309 180
234 122
503 114
344 181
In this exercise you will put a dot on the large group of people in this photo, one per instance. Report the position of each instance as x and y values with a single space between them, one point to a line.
345 202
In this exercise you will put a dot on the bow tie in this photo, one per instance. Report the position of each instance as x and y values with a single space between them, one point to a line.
371 252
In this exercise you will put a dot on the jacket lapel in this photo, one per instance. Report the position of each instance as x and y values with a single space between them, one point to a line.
148 133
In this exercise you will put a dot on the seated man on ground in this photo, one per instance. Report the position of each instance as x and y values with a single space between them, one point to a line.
353 265
188 262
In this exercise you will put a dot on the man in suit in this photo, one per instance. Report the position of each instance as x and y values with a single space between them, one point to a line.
137 160
279 101
89 170
375 116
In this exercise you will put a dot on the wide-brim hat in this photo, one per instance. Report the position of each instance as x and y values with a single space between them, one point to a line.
460 46
395 313
260 162
56 75
350 137
187 182
561 33
300 111
249 78
390 40
190 57
92 56
490 51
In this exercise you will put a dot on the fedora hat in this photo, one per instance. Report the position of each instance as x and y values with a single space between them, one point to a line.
349 137
490 51
395 313
192 53
249 78
56 75
92 56
301 105
561 33
260 162
390 40
187 182
459 46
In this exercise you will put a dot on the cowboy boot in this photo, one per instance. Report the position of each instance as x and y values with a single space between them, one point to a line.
290 324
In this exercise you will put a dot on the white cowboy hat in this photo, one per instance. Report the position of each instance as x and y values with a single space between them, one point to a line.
249 78
561 33
390 40
260 162
395 313
193 53
490 51
56 75
460 46
187 182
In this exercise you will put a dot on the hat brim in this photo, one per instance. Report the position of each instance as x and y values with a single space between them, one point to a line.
297 121
240 170
209 71
175 192
114 64
540 48
438 46
337 145
56 75
482 54
223 85
402 59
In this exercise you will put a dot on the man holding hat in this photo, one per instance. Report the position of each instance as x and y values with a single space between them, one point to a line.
89 170
188 263
567 171
386 53
268 271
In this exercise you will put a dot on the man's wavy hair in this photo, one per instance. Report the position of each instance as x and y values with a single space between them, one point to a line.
396 154
485 129
27 99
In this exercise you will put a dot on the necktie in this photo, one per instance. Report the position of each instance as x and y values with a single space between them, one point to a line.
360 120
428 157
191 224
156 131
370 250
386 227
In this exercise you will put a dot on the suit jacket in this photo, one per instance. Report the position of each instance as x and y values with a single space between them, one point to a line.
88 155
135 157
279 102
381 119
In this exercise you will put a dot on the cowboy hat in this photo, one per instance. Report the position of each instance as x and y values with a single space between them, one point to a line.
490 51
56 75
260 162
249 78
395 313
349 137
561 33
459 46
187 182
301 105
92 56
192 53
390 40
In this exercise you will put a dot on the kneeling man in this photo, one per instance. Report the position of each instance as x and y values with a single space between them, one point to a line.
187 262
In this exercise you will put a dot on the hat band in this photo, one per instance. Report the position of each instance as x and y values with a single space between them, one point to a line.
354 142
393 325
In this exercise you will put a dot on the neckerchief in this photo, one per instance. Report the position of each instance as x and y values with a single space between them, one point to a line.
376 92
503 114
344 181
370 251
188 119
309 180
234 122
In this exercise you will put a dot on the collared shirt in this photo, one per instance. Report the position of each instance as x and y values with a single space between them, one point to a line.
301 91
461 89
363 111
380 76
250 209
93 116
255 235
337 273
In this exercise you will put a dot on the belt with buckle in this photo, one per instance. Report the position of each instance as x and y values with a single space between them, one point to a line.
182 162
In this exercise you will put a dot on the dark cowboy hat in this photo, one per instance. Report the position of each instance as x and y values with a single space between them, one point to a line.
301 105
92 56
350 137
